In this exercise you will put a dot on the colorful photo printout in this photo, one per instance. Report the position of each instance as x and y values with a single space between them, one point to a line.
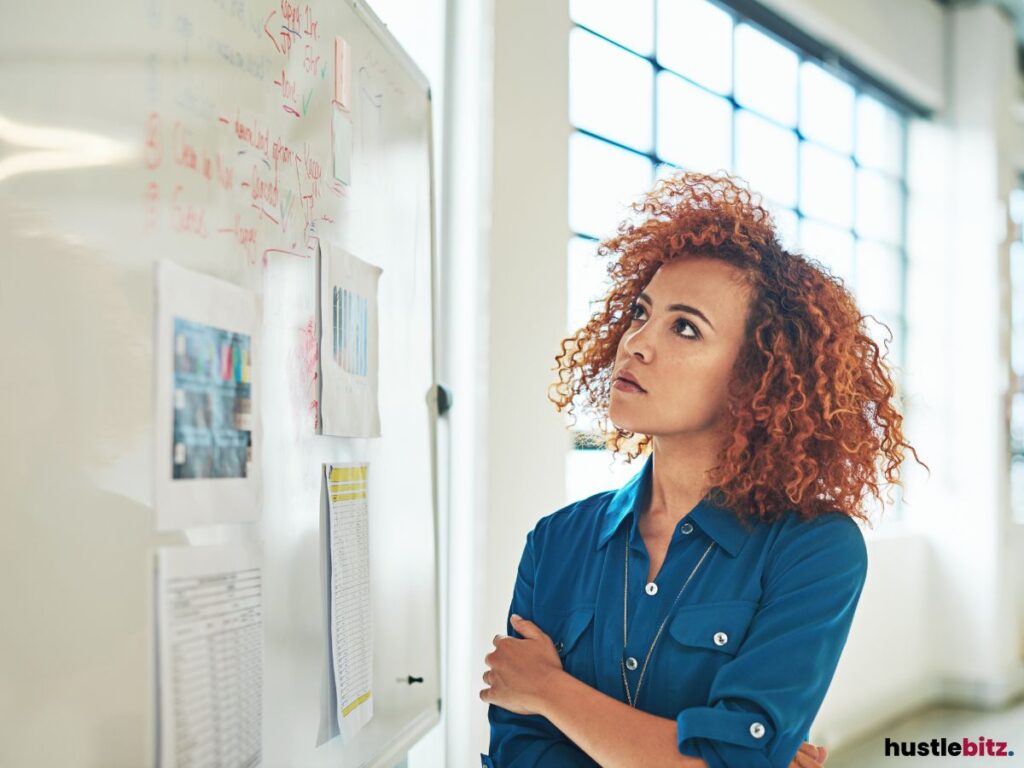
207 390
212 401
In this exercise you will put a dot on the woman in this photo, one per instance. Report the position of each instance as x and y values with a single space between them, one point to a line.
695 617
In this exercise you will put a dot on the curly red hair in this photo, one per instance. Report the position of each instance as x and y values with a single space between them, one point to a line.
811 399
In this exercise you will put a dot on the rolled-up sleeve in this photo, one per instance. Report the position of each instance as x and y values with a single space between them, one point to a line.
762 702
517 740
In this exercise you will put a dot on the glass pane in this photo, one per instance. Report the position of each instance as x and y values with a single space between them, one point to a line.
584 422
603 180
1016 204
630 24
826 185
880 333
787 225
694 126
695 40
766 73
879 279
1017 423
588 472
829 246
766 157
588 282
826 108
879 136
664 170
1017 488
1017 307
610 90
879 207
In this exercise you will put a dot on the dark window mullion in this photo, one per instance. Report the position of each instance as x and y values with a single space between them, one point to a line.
799 150
655 105
618 144
732 95
904 259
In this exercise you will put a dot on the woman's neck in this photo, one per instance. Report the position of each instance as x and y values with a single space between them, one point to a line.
679 476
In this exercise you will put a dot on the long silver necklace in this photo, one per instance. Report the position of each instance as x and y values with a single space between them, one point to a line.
625 627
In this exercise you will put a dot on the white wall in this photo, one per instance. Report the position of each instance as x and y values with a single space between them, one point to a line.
527 285
465 202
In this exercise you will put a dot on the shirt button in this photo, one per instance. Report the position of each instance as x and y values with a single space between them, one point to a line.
685 528
756 730
630 663
559 646
721 638
652 588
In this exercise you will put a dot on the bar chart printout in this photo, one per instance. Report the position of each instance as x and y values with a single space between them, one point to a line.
348 332
209 656
350 624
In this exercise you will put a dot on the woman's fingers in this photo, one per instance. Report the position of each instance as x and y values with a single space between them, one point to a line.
800 756
804 760
809 756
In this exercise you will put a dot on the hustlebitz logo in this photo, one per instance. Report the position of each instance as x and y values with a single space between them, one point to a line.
965 747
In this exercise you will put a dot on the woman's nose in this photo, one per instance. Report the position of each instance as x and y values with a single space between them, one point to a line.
638 345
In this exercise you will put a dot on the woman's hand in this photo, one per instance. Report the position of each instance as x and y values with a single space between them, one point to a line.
809 756
520 670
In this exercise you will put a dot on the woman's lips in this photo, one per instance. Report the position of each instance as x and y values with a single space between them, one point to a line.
625 385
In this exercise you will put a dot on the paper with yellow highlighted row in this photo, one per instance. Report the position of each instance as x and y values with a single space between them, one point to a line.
346 703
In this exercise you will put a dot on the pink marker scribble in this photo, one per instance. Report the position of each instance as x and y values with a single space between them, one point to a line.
311 362
272 39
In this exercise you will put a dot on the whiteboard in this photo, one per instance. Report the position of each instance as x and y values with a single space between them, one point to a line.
200 132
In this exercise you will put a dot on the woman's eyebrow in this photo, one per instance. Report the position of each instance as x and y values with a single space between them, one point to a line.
678 308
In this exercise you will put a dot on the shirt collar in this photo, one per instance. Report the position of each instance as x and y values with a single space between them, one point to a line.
718 522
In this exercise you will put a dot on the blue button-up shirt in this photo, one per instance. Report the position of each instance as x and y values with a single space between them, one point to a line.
747 654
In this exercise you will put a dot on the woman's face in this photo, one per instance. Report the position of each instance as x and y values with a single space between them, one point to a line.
687 329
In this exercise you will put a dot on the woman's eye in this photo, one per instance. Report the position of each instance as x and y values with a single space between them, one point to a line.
680 324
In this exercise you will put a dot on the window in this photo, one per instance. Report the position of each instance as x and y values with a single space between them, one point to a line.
660 85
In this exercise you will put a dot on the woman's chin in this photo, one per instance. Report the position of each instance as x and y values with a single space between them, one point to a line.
621 419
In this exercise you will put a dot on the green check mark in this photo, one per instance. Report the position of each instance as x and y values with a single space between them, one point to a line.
305 101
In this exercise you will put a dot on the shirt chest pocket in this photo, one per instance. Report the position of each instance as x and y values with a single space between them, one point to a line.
571 631
700 639
719 626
